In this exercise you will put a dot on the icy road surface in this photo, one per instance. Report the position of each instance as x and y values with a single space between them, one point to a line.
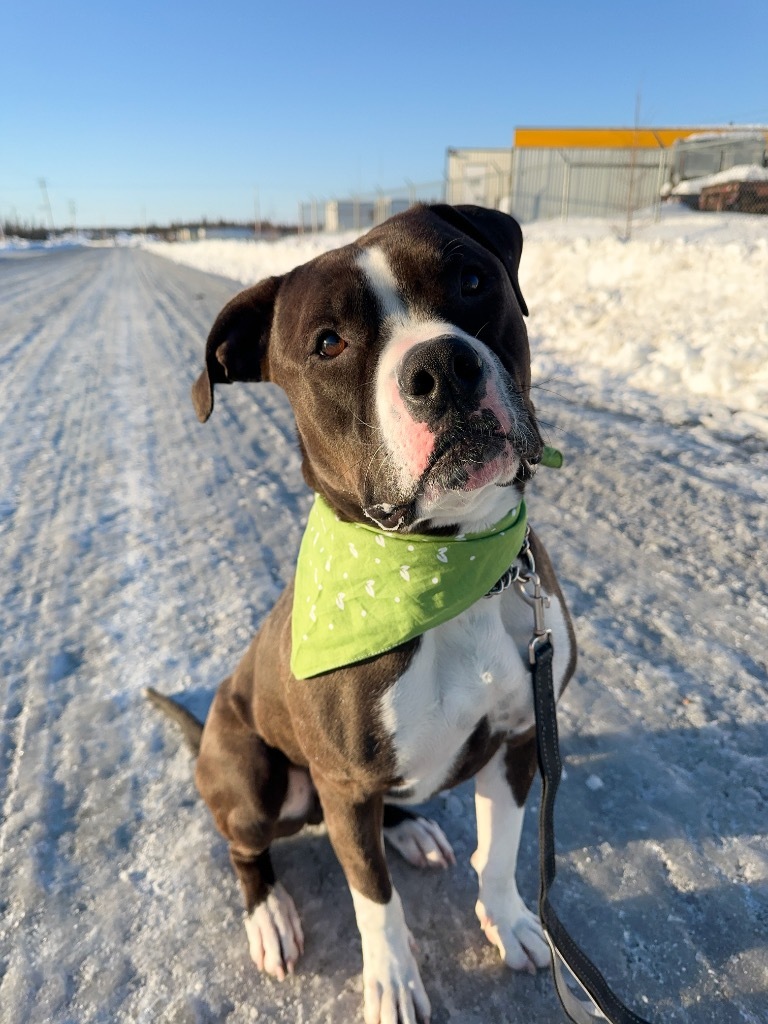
139 547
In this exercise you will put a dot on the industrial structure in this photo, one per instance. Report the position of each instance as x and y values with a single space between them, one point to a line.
546 173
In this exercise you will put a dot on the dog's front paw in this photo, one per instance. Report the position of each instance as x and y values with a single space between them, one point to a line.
393 992
274 933
392 988
516 933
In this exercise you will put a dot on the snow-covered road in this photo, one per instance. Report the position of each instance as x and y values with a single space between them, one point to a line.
140 548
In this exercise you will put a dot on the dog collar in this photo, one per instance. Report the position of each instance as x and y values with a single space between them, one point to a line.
360 591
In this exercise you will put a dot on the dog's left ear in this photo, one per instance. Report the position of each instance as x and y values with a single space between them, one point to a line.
236 348
498 232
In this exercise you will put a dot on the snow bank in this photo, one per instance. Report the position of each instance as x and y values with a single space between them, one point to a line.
248 260
12 243
677 314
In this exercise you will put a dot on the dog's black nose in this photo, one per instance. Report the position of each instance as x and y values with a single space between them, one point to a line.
439 375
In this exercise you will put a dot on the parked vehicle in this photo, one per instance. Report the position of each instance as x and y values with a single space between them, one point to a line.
695 159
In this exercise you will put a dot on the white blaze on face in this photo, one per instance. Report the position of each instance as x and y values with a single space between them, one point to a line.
410 442
376 268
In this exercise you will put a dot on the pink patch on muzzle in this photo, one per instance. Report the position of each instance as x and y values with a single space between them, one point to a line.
414 441
492 400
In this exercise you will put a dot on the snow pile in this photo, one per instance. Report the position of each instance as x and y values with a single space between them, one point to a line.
677 315
676 318
12 243
249 260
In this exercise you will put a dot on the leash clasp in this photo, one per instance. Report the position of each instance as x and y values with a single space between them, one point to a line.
536 600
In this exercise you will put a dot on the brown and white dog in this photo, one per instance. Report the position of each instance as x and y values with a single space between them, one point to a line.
405 358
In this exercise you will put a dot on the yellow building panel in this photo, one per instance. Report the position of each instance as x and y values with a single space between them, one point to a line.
600 138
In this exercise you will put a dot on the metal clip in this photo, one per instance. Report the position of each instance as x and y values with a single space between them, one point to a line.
537 600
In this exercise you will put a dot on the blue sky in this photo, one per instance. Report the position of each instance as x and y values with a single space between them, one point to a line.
177 110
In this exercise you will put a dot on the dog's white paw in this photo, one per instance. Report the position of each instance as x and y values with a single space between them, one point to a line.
393 992
421 842
275 938
516 933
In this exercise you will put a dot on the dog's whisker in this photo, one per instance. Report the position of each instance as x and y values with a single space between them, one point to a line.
457 245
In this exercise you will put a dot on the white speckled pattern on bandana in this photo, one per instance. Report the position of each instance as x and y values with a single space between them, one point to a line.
360 591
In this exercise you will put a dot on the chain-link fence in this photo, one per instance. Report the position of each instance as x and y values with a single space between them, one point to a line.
365 210
549 183
531 184
736 196
714 171
722 171
482 177
546 183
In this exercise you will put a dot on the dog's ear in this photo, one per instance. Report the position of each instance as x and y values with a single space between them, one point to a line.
498 232
237 345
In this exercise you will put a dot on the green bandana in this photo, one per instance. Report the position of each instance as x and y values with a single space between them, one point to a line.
360 591
552 458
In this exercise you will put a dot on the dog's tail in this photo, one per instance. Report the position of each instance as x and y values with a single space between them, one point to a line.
192 730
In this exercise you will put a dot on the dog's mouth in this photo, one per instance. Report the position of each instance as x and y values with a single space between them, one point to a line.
465 457
462 456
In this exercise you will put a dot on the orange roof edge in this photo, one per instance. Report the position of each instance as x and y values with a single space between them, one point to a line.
607 138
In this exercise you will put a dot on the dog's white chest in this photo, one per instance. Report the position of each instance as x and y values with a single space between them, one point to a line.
467 669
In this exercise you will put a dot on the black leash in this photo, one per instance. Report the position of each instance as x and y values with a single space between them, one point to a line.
583 992
595 1001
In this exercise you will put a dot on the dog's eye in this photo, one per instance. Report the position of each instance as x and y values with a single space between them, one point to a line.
470 283
330 345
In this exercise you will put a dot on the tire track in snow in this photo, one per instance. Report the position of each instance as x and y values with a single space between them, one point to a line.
50 536
250 439
39 489
22 325
85 543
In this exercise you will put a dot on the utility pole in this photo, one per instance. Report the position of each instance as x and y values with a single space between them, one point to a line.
47 204
73 215
256 214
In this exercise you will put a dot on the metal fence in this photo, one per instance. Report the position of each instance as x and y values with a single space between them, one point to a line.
479 176
365 210
548 183
534 184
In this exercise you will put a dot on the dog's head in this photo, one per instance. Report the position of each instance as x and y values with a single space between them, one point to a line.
405 359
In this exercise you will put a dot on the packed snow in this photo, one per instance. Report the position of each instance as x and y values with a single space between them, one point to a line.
142 548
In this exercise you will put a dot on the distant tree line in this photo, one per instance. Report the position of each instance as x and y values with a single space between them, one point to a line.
263 228
17 229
